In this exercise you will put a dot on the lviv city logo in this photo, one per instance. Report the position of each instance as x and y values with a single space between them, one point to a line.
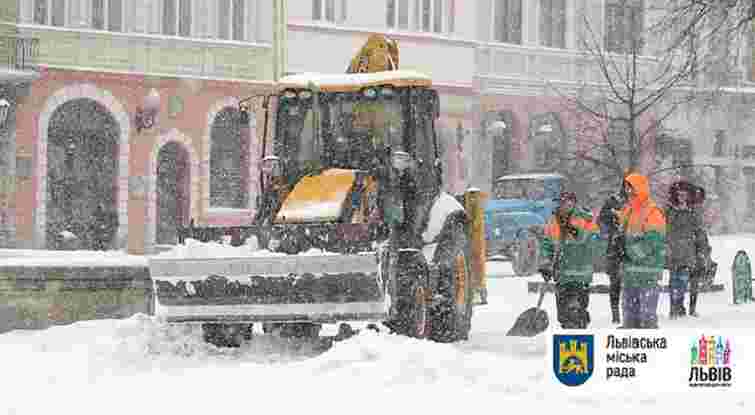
573 357
710 362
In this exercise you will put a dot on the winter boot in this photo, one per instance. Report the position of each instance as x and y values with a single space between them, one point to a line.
630 323
693 305
673 307
677 304
615 314
649 324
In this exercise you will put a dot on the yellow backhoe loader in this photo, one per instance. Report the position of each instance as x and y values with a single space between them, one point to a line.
355 173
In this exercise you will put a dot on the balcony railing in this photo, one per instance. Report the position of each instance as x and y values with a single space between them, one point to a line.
19 53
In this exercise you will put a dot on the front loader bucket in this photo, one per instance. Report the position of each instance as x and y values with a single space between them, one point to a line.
283 288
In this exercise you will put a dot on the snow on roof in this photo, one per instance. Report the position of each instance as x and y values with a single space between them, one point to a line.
536 176
354 82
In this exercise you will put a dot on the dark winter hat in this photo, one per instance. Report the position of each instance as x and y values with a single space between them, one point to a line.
683 186
566 195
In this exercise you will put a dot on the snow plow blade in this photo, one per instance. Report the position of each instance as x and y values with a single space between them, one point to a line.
285 288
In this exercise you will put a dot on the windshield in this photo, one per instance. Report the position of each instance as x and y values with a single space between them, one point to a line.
529 189
350 131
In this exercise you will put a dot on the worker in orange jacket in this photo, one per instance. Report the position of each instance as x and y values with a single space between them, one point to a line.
644 227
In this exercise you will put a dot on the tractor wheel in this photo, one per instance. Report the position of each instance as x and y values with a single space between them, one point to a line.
292 330
226 335
452 319
526 255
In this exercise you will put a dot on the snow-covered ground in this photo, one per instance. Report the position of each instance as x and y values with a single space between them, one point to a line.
137 366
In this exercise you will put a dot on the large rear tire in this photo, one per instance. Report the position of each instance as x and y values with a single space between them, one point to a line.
226 335
451 319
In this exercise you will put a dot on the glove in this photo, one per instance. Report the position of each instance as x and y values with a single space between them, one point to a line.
546 273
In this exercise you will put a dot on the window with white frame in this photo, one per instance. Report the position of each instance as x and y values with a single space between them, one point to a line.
553 23
507 21
40 11
231 19
624 25
177 17
169 17
58 9
333 11
184 18
107 15
434 16
50 12
397 14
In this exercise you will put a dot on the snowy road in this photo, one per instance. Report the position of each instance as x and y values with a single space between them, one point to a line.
136 367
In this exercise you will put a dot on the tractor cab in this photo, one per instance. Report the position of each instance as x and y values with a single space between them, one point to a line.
536 193
515 216
349 149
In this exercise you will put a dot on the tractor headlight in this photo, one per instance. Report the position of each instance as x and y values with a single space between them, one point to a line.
370 93
387 92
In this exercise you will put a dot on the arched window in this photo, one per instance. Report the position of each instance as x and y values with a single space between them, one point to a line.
229 149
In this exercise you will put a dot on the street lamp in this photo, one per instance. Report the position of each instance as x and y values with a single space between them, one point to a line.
497 127
4 109
146 114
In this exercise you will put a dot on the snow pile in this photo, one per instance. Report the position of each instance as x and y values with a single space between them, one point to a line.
196 249
142 336
78 258
443 206
140 365
386 362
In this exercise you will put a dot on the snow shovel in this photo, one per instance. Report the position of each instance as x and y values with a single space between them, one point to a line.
532 321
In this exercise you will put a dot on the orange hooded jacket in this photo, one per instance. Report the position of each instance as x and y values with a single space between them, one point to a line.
645 228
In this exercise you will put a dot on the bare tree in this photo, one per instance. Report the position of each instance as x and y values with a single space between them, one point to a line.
705 21
640 77
718 33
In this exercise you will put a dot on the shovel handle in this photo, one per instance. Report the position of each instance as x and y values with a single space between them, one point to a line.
542 294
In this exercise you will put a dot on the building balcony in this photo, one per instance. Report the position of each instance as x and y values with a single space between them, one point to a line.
727 161
18 58
526 70
153 54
